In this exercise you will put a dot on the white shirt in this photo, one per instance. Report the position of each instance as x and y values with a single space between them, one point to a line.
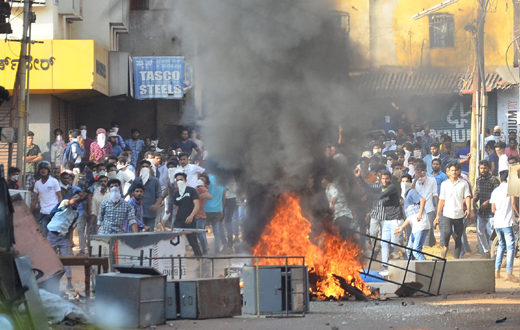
47 194
192 172
125 177
97 198
503 164
504 210
428 190
340 208
453 195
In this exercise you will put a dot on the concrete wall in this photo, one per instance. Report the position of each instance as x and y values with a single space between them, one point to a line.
462 275
387 35
150 33
39 122
102 20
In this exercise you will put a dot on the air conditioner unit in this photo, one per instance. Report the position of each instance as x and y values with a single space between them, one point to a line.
71 9
8 134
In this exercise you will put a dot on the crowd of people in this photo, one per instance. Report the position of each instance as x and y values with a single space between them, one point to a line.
110 185
399 186
409 180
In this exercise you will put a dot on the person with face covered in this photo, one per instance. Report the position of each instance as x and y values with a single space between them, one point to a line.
115 211
57 148
100 147
152 195
169 192
13 174
124 175
119 141
86 143
95 197
192 171
59 228
426 186
415 211
186 202
116 148
388 124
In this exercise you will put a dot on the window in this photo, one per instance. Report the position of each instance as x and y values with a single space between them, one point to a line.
442 31
341 21
139 4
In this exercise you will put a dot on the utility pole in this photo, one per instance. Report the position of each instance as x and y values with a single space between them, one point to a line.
478 113
22 71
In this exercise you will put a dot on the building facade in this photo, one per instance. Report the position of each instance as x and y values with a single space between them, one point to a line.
418 57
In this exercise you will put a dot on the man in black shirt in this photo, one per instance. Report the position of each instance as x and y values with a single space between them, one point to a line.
389 196
186 203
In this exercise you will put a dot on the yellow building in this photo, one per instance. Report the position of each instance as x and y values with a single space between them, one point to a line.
423 65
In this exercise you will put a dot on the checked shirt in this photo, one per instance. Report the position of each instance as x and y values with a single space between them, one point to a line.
112 217
483 190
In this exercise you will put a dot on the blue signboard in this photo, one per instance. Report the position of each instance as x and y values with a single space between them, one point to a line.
158 77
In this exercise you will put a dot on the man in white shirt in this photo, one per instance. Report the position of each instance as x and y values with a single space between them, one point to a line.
503 205
191 170
503 164
455 193
48 192
426 186
124 174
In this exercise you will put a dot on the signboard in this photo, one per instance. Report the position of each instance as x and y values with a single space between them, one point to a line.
122 253
57 66
158 77
452 116
507 110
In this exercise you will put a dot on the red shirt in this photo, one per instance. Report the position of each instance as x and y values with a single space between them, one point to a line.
511 152
201 214
86 144
99 152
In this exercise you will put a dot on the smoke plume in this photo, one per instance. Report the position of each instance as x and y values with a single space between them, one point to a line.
274 85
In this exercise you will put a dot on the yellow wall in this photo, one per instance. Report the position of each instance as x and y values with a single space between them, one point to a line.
57 66
410 37
359 11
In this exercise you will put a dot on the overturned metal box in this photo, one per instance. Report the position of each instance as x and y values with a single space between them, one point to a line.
208 298
275 289
130 300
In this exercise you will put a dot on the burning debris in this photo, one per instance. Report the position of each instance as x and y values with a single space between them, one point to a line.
334 264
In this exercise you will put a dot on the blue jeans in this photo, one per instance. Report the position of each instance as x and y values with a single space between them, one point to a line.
43 221
63 244
201 224
465 243
506 239
215 220
387 234
484 231
416 242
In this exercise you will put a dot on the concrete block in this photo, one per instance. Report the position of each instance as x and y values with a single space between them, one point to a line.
462 275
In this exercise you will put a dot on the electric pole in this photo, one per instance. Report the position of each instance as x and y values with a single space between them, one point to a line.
22 72
478 113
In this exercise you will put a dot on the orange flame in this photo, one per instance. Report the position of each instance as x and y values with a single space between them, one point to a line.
288 235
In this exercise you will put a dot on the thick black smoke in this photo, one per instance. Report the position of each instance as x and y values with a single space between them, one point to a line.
273 82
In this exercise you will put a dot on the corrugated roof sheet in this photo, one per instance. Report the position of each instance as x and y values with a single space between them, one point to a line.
422 83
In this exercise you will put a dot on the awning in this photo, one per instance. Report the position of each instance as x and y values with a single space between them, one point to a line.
421 83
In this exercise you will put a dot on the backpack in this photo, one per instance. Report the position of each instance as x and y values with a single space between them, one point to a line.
69 155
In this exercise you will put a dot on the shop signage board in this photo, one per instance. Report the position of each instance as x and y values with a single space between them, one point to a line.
158 77
507 110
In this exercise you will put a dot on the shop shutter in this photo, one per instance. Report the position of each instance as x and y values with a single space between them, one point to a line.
5 111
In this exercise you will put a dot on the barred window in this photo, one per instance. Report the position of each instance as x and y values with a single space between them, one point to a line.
442 31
